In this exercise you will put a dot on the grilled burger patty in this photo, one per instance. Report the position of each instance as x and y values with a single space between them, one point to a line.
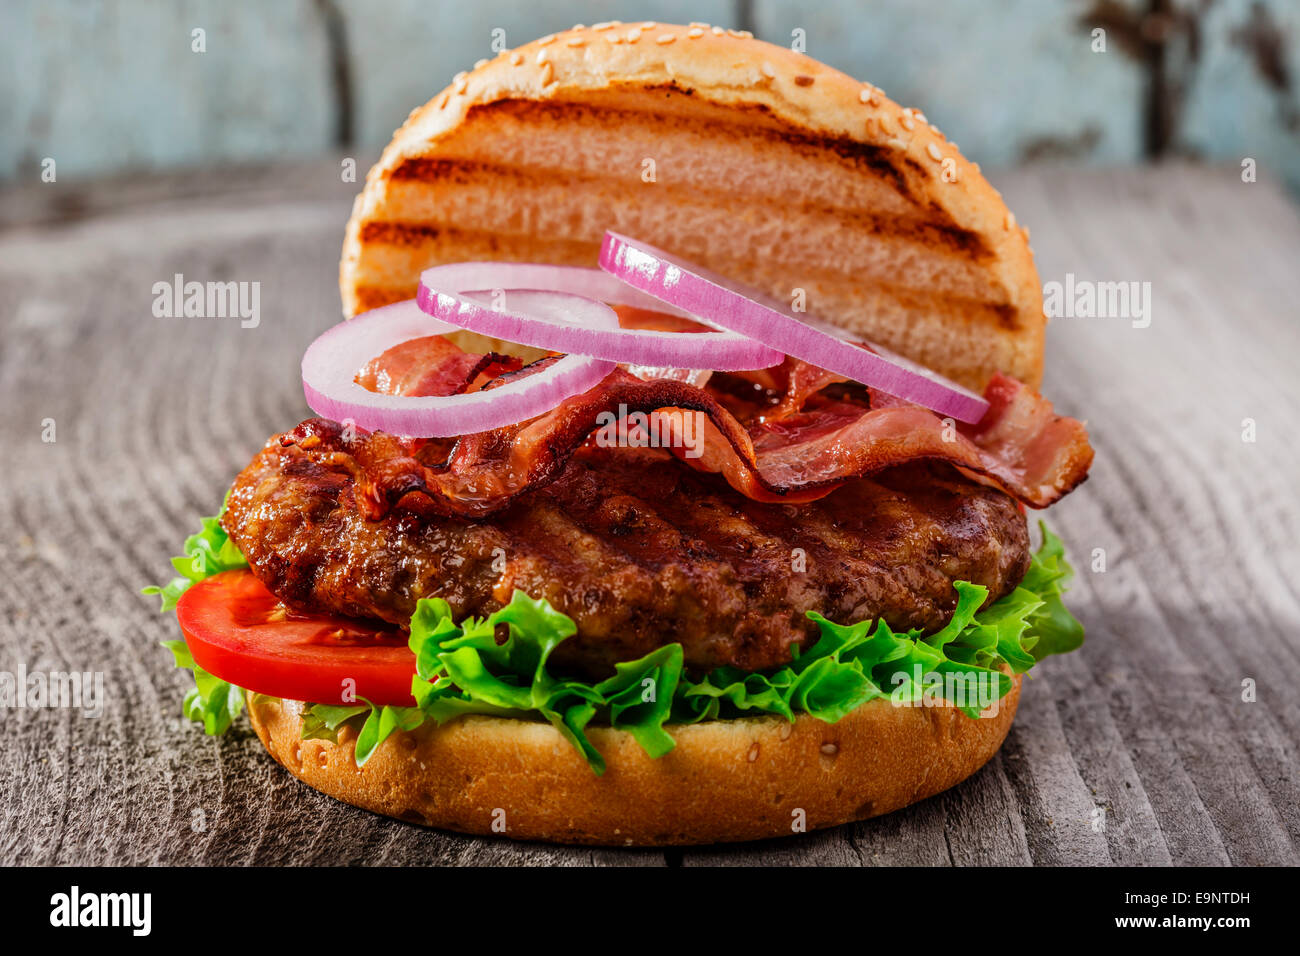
640 552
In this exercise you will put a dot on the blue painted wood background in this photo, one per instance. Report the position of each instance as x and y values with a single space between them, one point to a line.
112 87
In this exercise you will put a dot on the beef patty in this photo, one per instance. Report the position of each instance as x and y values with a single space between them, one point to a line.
639 551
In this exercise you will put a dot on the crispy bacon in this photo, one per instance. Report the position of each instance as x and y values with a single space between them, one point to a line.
1021 447
797 447
427 366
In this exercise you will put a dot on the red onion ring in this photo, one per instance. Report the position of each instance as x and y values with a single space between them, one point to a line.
330 365
454 293
732 305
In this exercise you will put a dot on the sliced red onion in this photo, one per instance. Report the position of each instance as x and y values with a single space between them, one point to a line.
330 364
482 297
732 305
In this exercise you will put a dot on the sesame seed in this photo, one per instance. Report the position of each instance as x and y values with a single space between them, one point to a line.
734 33
603 25
548 73
479 64
883 122
697 23
933 150
665 38
549 38
919 115
633 35
905 121
803 80
897 143
717 31
649 25
768 70
864 95
1010 221
543 56
516 58
459 76
753 753
462 86
614 38
443 104
579 26
746 35
830 749
695 33
1025 230
575 42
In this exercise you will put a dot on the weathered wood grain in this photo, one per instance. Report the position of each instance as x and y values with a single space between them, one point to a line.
1147 722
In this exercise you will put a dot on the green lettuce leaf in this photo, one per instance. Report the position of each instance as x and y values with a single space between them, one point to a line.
462 669
213 702
373 723
208 551
379 726
1053 628
322 721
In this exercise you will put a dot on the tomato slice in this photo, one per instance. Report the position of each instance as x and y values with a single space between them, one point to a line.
239 631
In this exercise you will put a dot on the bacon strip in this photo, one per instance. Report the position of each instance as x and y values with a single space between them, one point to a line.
798 449
426 366
1021 447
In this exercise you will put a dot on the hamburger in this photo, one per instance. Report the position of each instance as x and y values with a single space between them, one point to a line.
669 476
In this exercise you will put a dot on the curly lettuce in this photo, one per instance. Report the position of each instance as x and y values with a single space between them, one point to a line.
208 551
461 669
212 702
498 665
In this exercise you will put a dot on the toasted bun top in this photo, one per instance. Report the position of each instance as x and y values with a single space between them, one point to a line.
753 160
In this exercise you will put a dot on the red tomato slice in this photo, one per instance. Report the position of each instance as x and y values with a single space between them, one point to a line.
239 631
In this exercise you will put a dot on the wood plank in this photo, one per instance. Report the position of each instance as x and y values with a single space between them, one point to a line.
1146 723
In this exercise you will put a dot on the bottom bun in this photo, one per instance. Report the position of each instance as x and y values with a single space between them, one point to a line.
727 780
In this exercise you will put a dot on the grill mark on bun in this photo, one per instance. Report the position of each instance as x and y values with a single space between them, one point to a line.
891 164
466 172
407 233
1007 315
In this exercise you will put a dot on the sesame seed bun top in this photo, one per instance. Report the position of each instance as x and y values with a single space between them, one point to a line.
756 161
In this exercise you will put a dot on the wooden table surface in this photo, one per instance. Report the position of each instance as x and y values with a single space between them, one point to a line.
154 416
